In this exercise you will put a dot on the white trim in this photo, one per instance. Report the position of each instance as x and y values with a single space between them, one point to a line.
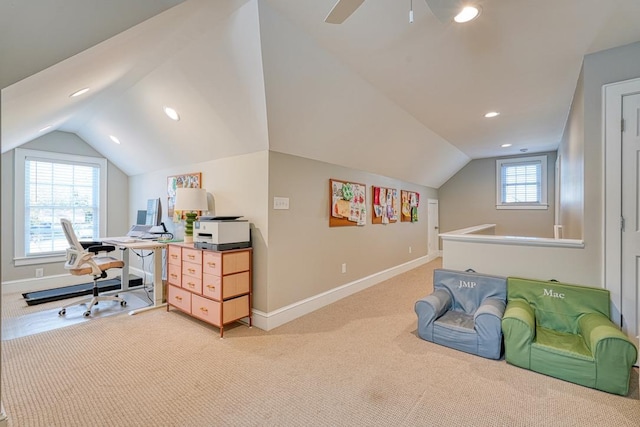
612 154
273 319
469 235
46 259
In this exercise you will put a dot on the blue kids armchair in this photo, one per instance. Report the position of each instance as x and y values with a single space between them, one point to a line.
464 312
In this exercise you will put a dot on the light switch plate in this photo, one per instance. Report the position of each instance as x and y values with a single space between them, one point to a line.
280 203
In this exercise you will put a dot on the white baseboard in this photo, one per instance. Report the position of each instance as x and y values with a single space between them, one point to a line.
273 319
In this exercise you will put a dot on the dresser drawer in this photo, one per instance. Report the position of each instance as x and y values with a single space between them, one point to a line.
174 255
212 263
179 298
235 309
192 284
235 262
211 286
206 309
174 274
192 255
191 269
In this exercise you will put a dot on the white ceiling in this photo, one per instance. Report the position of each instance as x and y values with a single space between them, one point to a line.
520 57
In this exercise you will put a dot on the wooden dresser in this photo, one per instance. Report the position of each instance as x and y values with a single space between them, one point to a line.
210 285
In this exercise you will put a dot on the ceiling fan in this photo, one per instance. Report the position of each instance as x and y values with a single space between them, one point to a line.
444 10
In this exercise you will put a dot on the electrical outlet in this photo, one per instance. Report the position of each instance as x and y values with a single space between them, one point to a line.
344 267
409 249
39 272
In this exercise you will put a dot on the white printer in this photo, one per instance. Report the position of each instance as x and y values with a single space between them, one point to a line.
221 233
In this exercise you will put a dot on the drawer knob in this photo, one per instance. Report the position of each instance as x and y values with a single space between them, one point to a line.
174 256
191 256
191 285
213 288
191 270
204 310
179 298
211 264
174 275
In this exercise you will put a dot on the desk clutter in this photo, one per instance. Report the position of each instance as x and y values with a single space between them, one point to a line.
556 329
213 286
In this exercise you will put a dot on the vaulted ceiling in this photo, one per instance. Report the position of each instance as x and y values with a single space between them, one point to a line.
376 92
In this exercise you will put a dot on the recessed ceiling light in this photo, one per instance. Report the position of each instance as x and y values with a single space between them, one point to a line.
467 14
506 145
114 139
491 114
171 113
45 128
79 92
524 150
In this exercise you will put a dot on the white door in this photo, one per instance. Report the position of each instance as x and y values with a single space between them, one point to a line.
630 213
433 246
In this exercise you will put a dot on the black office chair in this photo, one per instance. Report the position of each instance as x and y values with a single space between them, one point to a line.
91 259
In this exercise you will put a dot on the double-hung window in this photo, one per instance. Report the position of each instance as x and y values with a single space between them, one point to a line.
521 183
51 186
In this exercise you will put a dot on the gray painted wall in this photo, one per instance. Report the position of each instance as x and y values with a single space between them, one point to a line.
60 142
305 254
469 198
571 155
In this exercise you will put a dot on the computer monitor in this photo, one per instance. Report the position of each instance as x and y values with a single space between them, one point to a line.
154 214
142 218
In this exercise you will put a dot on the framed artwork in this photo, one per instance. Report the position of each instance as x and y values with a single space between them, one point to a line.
385 205
347 203
188 180
410 200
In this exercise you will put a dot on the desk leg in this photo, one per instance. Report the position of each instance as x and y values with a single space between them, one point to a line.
124 275
157 283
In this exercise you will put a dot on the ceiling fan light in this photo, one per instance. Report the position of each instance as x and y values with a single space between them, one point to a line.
114 139
467 14
491 114
506 145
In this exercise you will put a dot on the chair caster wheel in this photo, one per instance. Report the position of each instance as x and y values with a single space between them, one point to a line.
86 313
123 303
62 312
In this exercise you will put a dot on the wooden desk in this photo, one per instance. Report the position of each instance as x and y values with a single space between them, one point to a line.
146 245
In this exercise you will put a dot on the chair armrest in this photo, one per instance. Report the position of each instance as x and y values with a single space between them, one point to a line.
429 309
613 352
434 305
595 328
490 307
519 330
100 248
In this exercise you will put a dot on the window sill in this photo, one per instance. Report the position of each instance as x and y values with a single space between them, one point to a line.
530 207
46 259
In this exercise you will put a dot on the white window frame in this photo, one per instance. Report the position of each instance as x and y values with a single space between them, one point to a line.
500 204
21 154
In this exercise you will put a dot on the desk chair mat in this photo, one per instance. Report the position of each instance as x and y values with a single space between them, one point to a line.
57 294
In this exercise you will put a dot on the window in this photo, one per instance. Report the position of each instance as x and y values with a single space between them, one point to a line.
521 183
51 186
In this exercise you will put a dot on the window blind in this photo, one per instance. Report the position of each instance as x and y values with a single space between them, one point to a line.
56 189
522 182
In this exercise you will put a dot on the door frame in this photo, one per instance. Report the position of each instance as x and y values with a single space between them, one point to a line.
612 95
437 251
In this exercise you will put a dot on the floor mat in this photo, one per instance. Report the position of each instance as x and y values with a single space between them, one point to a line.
47 320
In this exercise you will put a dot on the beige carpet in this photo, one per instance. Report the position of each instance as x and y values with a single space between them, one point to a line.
355 362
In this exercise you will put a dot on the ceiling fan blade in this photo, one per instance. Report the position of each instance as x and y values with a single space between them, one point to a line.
342 10
445 10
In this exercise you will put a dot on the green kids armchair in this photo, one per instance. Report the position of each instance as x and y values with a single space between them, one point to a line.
565 331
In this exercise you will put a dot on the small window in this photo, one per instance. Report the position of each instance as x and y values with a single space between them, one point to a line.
521 183
50 186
